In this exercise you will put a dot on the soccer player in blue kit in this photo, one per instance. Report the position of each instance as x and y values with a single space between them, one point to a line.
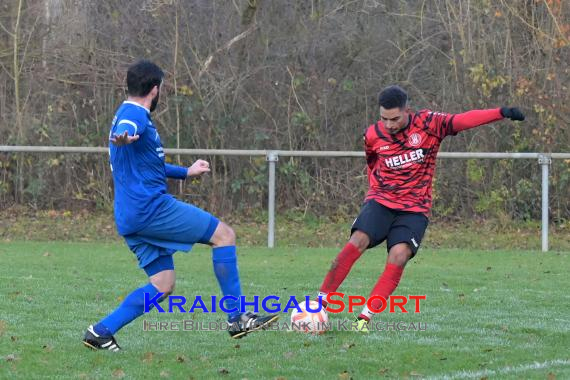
153 223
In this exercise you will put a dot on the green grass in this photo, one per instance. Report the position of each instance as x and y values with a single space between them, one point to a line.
495 314
293 229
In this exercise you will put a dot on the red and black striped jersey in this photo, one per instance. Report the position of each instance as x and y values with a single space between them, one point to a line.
401 166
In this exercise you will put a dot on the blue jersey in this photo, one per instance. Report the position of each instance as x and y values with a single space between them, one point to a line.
139 170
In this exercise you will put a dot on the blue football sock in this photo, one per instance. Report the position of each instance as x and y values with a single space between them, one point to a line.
226 270
131 308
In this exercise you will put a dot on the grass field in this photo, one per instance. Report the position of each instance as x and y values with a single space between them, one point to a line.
488 314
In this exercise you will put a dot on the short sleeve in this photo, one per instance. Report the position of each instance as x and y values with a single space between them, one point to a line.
371 156
132 126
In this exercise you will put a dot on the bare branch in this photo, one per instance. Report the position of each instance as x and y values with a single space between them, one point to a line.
226 46
6 30
23 60
293 90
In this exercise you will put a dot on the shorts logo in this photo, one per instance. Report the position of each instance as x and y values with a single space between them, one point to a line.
415 139
415 243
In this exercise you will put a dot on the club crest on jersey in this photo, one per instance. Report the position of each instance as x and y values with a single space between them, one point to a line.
415 139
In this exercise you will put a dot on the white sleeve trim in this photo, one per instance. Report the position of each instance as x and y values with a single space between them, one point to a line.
130 123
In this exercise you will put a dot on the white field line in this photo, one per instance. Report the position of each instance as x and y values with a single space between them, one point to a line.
502 371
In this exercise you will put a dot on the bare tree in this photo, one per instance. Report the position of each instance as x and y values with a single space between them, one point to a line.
285 75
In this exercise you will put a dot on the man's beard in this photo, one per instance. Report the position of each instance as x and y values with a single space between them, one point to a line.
154 102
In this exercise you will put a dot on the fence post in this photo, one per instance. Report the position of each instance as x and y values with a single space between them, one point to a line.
544 161
272 157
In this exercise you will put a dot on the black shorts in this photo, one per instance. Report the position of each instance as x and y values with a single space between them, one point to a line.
381 223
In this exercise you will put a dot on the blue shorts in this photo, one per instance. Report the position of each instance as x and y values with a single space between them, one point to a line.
176 226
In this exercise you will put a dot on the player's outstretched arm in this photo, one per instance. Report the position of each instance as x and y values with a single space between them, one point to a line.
198 168
123 139
179 172
475 118
175 171
512 113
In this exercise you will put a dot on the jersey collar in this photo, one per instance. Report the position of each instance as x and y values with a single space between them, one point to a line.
136 104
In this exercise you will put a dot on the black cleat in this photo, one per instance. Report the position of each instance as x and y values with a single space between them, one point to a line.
250 322
97 342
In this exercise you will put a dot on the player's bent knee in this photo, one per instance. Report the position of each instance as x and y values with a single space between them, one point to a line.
166 288
360 240
224 235
164 282
400 254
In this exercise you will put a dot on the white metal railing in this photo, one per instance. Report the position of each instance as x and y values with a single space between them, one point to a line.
272 156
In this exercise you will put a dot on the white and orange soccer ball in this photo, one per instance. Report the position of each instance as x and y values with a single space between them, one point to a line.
310 322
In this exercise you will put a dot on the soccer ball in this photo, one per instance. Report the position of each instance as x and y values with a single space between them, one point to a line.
310 322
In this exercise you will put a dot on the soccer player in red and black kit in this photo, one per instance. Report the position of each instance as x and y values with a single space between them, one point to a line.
401 150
